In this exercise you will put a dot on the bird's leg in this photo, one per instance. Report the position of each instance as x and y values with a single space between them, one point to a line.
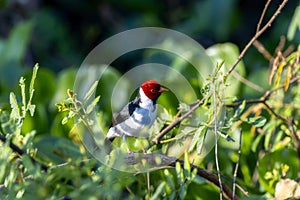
124 140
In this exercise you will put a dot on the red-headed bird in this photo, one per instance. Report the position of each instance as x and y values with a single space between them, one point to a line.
137 115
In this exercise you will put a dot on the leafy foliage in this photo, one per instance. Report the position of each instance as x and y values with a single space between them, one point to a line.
42 156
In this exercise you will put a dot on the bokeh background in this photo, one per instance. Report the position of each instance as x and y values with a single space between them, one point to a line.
59 34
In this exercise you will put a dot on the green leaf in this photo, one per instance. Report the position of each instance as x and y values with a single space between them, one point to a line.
31 87
256 142
198 137
240 109
182 191
92 105
65 120
170 180
28 163
184 132
187 165
15 112
267 140
16 45
226 136
255 121
158 192
227 52
91 91
23 93
294 25
180 176
273 163
57 150
31 109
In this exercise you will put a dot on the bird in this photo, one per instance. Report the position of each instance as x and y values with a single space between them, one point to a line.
137 116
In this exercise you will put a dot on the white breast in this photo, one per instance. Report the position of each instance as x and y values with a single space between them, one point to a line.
141 120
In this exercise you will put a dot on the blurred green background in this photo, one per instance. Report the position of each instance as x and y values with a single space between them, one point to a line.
59 34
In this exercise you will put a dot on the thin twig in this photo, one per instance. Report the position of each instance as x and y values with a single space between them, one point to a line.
148 182
176 121
257 34
216 142
262 15
280 45
261 49
264 97
247 82
237 165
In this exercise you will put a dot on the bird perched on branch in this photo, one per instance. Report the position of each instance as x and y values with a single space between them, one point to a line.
137 115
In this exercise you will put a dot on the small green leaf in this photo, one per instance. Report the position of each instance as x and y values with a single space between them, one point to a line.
180 177
240 109
31 109
64 120
255 121
91 91
170 181
159 191
15 112
91 107
256 142
226 136
187 165
182 192
28 163
197 137
294 25
31 87
267 140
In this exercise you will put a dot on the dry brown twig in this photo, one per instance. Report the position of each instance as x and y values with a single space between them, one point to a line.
257 34
176 121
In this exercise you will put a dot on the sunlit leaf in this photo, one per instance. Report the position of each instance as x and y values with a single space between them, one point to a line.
187 165
294 24
288 78
91 91
198 137
255 121
256 142
278 74
226 136
31 86
159 190
15 112
31 109
92 105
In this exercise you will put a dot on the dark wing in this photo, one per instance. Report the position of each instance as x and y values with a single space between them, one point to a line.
126 112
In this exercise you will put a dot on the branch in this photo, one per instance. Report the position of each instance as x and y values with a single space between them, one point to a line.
237 165
19 151
262 15
216 143
257 34
176 121
264 97
134 158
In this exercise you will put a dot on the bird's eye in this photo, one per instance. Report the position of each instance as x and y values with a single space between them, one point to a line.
154 90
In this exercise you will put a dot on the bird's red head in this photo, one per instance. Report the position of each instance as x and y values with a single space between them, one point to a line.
152 89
